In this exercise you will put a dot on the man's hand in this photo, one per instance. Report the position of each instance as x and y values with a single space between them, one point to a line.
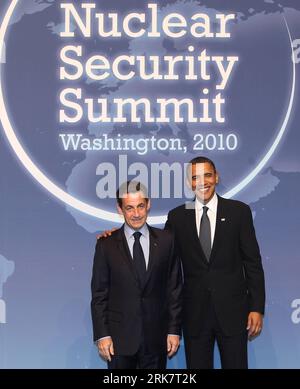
106 348
254 325
106 233
173 342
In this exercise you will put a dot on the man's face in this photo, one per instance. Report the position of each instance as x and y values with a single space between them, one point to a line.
203 179
135 209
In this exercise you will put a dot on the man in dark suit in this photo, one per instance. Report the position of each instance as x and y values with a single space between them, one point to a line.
223 294
136 289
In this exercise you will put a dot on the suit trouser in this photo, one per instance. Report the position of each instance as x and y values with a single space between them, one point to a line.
199 350
140 360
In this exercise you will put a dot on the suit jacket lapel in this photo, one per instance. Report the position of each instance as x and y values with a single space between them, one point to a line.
219 224
153 246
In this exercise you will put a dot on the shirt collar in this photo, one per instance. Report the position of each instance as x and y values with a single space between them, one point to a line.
211 205
128 231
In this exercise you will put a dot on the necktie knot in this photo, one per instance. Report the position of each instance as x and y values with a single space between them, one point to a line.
205 209
137 235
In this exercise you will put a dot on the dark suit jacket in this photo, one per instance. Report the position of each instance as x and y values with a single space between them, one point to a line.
233 280
124 310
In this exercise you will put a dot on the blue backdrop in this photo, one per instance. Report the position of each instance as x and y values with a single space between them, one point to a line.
47 244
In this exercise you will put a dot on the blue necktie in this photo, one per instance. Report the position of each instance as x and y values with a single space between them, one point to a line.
138 258
205 234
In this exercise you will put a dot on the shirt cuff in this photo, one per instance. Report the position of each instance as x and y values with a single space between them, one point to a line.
104 337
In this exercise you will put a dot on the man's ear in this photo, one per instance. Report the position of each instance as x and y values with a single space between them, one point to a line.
148 205
217 177
188 183
120 211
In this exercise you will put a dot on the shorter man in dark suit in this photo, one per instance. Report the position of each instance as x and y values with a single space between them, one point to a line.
136 289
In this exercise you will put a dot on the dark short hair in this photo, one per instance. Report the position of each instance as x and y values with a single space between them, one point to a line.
201 159
131 187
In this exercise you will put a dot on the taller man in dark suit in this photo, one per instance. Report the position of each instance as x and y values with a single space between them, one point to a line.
136 289
224 293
